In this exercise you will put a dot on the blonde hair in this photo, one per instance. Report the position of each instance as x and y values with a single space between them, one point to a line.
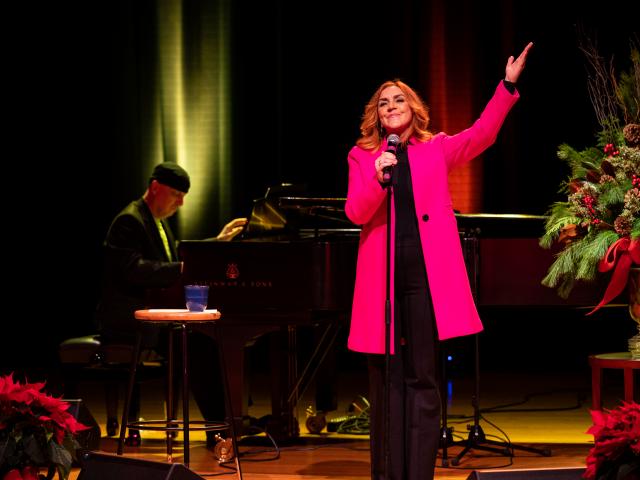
372 131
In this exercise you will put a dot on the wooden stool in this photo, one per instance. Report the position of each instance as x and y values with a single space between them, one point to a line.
180 319
620 360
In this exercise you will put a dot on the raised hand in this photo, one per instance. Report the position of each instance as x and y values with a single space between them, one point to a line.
515 67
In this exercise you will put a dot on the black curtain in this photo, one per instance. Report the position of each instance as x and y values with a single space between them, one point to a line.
79 74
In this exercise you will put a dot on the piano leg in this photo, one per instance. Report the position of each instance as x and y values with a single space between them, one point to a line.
236 338
284 353
283 424
287 386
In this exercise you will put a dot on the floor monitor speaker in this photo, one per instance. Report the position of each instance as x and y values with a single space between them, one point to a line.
99 466
535 474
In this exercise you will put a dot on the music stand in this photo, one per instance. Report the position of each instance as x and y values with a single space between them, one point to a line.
477 439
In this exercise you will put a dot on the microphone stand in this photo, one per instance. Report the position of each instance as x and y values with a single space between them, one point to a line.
387 339
392 143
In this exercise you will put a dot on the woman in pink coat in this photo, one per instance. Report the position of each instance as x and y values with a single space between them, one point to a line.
430 294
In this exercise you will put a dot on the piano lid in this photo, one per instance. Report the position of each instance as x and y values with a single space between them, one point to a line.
287 211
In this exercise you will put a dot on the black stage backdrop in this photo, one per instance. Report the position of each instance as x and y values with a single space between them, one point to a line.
301 74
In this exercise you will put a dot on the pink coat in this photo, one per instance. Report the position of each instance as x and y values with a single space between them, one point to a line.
430 163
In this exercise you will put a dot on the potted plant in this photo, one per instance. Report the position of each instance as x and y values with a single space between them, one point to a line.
616 451
36 432
598 226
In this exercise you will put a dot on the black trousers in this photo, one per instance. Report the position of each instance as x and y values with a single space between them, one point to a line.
414 397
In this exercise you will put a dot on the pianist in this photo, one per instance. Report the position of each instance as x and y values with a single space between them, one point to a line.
428 278
140 255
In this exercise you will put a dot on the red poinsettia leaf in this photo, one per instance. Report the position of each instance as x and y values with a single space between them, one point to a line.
599 419
13 474
74 426
20 396
30 473
630 408
66 421
53 404
594 462
36 387
3 383
590 472
611 448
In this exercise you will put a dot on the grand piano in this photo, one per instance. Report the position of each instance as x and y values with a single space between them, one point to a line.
295 265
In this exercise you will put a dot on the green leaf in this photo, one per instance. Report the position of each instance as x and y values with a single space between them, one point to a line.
612 196
61 457
33 449
7 449
635 230
559 216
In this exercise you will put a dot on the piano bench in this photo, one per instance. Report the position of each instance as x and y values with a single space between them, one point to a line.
619 360
87 358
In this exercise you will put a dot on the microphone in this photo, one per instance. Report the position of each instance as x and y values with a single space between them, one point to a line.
392 146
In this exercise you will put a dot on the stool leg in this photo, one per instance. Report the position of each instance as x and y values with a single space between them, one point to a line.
127 399
171 414
185 394
227 401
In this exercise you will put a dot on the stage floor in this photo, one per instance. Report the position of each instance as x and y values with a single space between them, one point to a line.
546 411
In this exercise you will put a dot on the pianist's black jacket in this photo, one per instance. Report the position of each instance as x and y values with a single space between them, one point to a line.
134 262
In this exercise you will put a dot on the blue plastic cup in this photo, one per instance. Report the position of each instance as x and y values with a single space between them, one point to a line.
196 297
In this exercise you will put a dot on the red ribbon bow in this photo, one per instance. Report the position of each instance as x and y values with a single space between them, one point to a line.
621 255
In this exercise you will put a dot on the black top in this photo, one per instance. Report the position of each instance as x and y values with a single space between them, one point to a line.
406 221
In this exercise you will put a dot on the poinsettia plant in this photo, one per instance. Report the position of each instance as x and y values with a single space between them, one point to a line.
36 432
616 451
598 226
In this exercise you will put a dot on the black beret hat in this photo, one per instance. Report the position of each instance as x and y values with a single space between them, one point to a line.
172 175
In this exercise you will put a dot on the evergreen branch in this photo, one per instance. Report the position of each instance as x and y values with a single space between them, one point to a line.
610 134
580 162
612 195
635 230
558 274
558 217
578 261
591 250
